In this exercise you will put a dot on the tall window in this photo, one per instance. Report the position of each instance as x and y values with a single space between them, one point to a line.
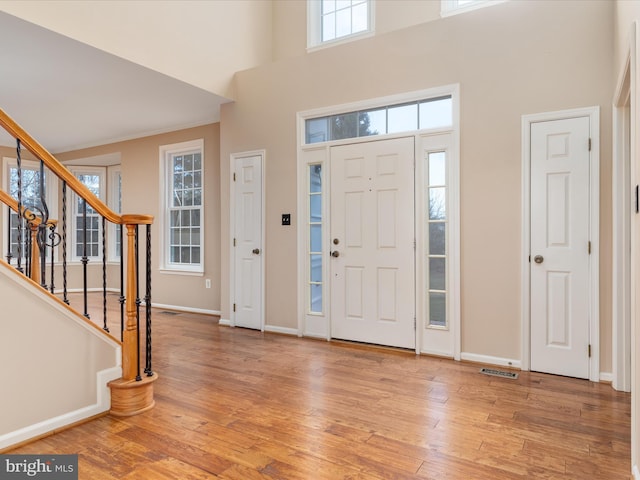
333 20
183 216
94 179
31 198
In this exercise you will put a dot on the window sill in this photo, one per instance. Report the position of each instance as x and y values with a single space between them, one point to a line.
189 273
340 41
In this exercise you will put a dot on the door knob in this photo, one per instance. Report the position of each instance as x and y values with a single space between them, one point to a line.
335 254
256 251
538 259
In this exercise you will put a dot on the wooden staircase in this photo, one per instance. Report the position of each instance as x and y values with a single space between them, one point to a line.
133 392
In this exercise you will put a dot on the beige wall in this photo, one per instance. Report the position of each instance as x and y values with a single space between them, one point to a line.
200 42
140 194
62 377
511 59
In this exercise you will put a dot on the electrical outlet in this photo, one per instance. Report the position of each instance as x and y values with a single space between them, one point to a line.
207 283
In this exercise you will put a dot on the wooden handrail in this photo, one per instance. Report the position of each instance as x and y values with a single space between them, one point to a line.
12 203
64 174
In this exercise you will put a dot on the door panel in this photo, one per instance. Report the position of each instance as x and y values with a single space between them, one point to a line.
248 248
560 247
372 219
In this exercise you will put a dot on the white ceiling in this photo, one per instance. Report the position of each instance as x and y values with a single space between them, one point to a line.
69 95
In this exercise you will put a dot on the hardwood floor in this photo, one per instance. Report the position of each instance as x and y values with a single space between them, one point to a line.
238 404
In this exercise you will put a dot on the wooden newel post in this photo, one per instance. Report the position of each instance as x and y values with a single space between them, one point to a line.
133 393
130 334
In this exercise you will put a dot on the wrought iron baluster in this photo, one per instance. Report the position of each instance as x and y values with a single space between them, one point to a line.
19 223
53 236
148 369
104 276
64 243
41 235
137 272
85 259
9 254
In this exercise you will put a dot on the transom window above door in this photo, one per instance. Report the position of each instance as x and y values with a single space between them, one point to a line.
424 114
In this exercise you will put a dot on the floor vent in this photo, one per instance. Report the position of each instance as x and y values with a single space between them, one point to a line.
498 373
167 312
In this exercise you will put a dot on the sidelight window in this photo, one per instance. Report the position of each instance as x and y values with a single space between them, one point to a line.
437 255
315 280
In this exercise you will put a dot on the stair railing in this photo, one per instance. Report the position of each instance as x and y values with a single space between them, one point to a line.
38 236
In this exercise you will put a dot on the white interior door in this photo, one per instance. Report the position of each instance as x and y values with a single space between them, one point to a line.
248 253
372 242
560 247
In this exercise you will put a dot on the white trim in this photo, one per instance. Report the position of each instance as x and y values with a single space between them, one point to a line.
319 153
606 377
180 308
636 472
624 121
103 404
114 200
488 359
282 330
232 229
165 179
225 322
594 274
90 290
450 7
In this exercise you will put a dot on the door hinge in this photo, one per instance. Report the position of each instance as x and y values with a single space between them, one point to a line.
234 174
589 350
529 258
589 247
234 309
589 144
414 323
234 242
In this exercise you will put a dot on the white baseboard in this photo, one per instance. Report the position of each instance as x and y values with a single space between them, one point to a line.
225 321
179 308
503 362
636 472
103 404
606 377
283 330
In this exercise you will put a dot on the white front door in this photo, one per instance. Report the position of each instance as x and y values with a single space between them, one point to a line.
372 242
247 240
560 247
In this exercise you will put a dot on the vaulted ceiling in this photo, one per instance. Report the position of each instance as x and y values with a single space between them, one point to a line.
68 94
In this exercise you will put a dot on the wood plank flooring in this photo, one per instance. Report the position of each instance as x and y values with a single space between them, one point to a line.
239 404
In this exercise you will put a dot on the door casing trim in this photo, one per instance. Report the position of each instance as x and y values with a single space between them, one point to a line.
594 232
232 223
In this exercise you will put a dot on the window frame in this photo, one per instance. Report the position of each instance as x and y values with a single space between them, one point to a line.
101 172
166 154
114 197
452 7
314 27
51 192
